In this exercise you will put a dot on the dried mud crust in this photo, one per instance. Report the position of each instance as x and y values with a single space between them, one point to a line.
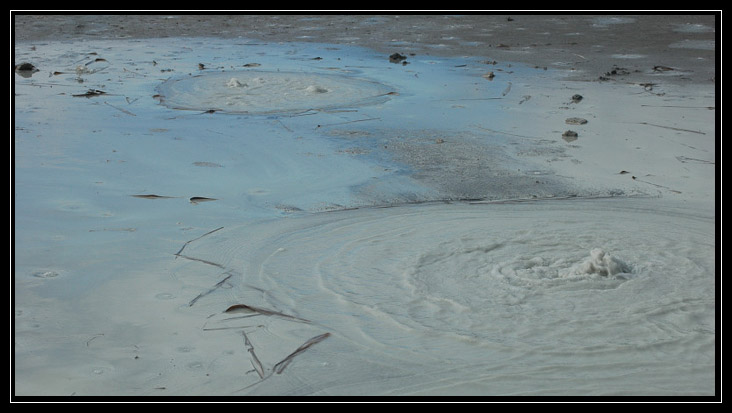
627 47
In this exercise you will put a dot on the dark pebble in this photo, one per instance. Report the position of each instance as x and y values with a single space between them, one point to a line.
569 136
25 66
396 57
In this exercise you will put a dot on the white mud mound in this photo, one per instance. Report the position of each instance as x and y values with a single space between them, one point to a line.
601 263
259 92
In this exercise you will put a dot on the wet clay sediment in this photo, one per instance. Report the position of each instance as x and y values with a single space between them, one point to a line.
586 45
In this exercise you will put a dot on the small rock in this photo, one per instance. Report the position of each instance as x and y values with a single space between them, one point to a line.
25 69
662 68
25 66
576 98
396 57
489 75
575 121
570 136
617 71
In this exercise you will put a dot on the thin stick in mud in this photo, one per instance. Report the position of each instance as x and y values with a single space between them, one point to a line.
672 128
200 260
152 196
218 284
195 239
263 311
255 361
279 367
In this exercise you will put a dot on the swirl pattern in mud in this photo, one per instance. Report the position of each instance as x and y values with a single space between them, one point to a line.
584 280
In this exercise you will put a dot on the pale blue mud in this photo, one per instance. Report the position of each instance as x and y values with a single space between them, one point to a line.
327 189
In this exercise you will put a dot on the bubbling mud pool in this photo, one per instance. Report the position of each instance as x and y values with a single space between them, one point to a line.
262 92
581 297
582 291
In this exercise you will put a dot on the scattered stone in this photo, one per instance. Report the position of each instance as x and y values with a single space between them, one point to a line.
577 98
570 136
617 71
396 58
662 68
45 274
25 66
25 69
440 140
575 121
489 75
90 93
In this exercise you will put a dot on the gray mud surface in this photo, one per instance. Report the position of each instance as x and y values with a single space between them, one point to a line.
627 47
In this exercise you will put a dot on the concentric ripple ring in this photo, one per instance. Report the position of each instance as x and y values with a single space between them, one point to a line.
489 274
264 92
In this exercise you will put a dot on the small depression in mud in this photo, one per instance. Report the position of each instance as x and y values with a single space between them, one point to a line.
262 92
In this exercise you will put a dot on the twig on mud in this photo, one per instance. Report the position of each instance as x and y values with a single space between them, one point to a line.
347 122
682 107
93 337
194 239
284 126
218 284
152 196
201 260
279 367
672 128
656 185
262 311
255 361
120 109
